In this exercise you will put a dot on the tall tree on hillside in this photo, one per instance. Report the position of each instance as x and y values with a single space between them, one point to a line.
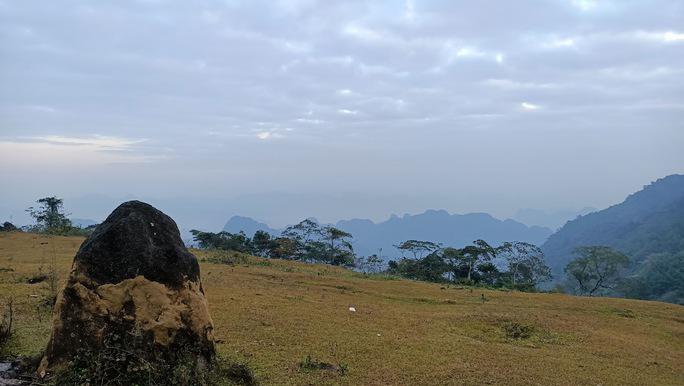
340 250
284 248
304 231
262 243
222 240
49 215
417 248
596 268
526 265
303 234
479 252
369 264
454 259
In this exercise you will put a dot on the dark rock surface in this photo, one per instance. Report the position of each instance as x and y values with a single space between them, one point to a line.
137 239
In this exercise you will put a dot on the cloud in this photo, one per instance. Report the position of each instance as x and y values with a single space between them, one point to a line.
364 33
43 109
559 43
87 152
529 106
94 142
374 79
585 5
272 134
516 85
666 37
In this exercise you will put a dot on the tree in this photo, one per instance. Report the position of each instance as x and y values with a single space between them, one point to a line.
454 259
204 240
49 215
488 273
596 268
417 248
660 277
302 234
369 264
262 243
430 268
340 250
472 255
222 240
283 248
526 265
304 231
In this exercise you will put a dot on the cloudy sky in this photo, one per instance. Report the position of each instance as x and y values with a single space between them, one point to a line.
350 109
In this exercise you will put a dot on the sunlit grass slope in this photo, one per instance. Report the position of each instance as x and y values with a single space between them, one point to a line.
274 314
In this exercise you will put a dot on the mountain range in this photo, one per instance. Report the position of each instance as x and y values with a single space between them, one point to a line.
647 222
433 225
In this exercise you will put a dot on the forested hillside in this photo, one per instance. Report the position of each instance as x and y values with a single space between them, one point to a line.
648 227
649 221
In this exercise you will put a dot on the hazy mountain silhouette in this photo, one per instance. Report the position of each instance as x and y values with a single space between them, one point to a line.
432 225
553 219
248 225
649 221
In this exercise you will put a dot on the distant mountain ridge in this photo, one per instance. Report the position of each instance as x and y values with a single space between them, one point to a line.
646 222
248 225
553 219
433 225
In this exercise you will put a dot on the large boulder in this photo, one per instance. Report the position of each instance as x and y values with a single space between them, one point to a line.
133 287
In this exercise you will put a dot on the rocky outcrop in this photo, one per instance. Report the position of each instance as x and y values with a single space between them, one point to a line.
133 284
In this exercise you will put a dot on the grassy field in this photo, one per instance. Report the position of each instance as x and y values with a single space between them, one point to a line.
288 320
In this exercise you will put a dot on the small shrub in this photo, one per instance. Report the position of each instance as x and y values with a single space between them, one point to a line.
343 368
312 364
514 330
37 278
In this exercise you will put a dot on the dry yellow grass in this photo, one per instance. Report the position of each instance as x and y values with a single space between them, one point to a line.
273 314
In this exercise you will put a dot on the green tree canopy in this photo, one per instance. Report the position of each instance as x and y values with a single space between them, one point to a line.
596 269
49 215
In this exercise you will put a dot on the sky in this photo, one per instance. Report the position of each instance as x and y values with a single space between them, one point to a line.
338 109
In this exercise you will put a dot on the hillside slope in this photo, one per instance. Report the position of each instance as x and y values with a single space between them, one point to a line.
647 222
274 314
